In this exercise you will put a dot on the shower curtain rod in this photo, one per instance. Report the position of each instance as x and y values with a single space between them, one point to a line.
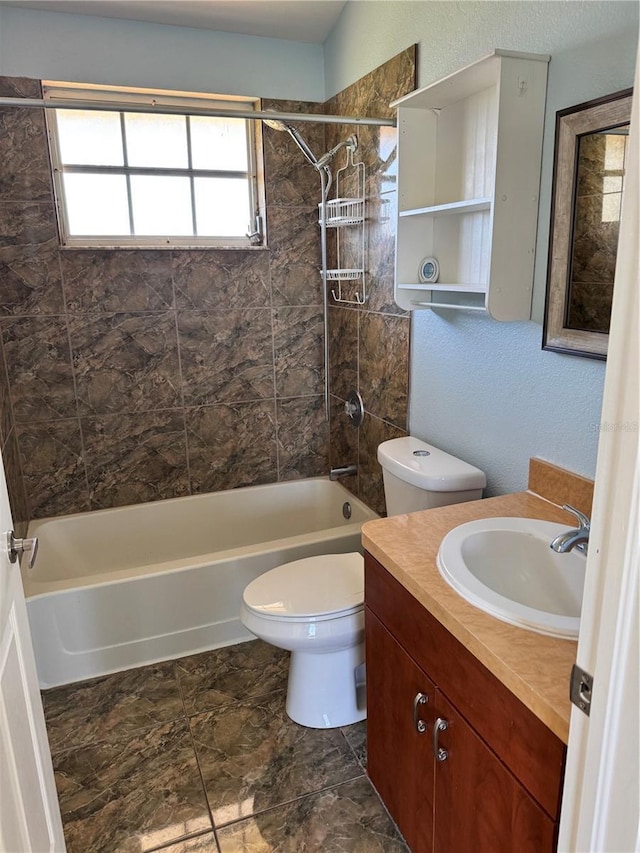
166 109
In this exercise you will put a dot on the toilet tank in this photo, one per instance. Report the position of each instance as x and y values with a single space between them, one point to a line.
419 476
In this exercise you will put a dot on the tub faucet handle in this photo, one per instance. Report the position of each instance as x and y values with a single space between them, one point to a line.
16 547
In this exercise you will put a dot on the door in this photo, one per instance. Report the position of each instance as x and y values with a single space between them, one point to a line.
29 814
399 719
600 807
479 805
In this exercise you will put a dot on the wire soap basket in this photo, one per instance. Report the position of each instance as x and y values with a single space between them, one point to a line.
347 212
344 211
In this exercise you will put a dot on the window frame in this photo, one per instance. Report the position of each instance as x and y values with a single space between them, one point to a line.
128 98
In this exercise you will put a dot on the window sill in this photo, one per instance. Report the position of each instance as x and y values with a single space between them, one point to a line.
174 247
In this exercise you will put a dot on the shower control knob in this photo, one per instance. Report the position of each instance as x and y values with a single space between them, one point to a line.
15 547
354 408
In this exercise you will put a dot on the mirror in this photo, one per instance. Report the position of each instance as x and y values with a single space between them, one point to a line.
588 177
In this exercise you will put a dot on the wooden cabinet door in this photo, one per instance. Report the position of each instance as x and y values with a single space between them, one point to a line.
479 805
400 762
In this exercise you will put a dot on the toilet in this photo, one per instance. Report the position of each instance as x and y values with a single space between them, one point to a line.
314 607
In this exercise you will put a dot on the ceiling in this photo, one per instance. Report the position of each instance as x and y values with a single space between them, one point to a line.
295 20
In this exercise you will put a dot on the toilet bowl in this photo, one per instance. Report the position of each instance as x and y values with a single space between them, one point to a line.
314 608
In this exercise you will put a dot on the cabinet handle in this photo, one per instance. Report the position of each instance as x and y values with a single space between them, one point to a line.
439 753
420 725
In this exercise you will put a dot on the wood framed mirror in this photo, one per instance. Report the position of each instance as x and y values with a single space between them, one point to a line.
588 177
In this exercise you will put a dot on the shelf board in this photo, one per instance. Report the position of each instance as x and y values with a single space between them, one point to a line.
424 304
471 205
451 288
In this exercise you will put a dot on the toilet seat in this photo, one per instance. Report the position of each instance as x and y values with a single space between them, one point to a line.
314 589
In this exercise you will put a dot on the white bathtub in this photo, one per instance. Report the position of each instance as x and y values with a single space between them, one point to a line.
119 588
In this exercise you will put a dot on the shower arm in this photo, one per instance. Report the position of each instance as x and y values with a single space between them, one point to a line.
326 180
325 184
321 165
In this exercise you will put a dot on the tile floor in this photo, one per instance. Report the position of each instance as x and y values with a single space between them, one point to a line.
198 756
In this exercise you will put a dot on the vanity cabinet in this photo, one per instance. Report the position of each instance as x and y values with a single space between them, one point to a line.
400 700
491 780
469 156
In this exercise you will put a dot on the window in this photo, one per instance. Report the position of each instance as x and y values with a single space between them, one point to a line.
152 179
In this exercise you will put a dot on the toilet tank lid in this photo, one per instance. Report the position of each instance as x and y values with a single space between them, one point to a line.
427 467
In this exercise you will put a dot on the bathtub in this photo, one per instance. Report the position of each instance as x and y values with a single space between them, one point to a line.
119 588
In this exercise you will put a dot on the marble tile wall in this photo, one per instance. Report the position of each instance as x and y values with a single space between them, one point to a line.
369 345
25 187
131 375
134 375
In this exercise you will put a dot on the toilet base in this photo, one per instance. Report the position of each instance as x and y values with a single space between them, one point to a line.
321 693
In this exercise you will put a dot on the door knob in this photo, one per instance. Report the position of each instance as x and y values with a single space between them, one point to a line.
15 547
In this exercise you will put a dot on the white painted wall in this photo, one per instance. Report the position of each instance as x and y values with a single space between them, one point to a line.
480 389
87 49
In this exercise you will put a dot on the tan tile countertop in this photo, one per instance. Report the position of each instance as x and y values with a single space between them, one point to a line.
534 667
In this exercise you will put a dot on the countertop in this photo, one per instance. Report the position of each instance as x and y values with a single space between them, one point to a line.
535 668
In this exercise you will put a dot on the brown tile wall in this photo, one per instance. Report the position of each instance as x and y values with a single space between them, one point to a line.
135 375
369 345
24 183
131 375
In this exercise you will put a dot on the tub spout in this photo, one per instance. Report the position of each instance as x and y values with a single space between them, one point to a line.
346 471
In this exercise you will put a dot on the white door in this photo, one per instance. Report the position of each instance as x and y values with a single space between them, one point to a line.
29 813
601 801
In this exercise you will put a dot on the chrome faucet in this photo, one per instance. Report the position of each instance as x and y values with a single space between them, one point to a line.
578 538
346 471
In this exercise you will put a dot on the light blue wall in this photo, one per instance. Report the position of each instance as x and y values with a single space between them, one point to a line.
479 389
87 49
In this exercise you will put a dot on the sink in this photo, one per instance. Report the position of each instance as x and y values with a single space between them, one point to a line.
505 567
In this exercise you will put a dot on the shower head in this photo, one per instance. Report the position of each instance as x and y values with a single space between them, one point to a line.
277 124
319 163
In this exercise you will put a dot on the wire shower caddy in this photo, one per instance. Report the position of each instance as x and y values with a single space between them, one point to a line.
348 212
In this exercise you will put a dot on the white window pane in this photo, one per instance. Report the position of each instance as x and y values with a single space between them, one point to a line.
89 138
156 140
614 152
161 205
222 207
611 207
97 204
219 143
612 184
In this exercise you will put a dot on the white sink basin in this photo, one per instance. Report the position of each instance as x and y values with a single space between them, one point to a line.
505 567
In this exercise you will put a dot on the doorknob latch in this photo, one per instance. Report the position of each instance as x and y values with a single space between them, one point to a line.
16 547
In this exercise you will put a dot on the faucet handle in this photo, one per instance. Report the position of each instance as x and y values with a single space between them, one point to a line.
584 520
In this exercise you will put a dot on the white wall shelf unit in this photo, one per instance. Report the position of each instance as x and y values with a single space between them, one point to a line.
469 153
